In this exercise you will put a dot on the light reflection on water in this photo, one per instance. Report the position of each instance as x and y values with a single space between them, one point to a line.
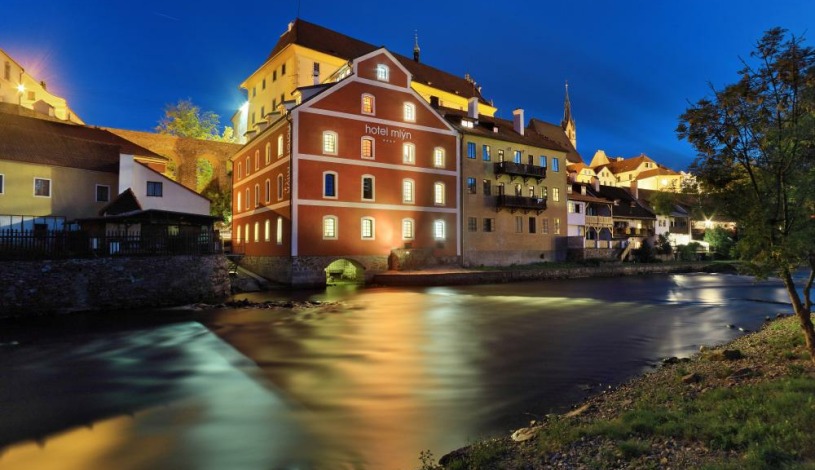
367 385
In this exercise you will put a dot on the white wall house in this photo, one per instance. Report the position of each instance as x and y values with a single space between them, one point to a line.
156 191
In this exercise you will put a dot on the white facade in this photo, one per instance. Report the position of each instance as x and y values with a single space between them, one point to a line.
156 191
576 219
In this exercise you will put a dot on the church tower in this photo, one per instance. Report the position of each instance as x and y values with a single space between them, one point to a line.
568 121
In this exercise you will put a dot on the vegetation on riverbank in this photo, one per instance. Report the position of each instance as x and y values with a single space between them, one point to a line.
748 404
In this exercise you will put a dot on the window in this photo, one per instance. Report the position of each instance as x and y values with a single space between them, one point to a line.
154 189
472 224
438 157
2 184
367 148
485 153
238 205
329 227
7 71
257 195
262 112
246 232
279 187
438 194
274 78
268 197
489 225
329 184
102 192
383 72
367 228
247 199
556 194
279 234
518 189
517 156
532 191
268 153
257 232
555 164
519 224
407 229
470 149
574 207
407 191
500 155
532 225
544 226
330 142
410 112
487 187
238 235
240 171
438 230
254 92
42 187
367 188
544 191
471 185
368 104
248 166
283 69
409 154
557 226
279 146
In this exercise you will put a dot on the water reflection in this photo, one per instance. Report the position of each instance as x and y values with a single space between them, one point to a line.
365 385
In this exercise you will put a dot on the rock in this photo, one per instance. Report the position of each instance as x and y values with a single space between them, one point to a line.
732 354
524 434
670 360
692 378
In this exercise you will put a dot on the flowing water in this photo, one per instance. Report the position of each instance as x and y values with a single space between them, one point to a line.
365 383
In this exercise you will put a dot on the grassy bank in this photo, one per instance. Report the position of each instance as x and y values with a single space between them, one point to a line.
749 404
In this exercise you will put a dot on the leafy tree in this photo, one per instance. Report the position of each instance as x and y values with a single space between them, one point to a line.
720 240
663 202
204 173
755 141
663 245
185 119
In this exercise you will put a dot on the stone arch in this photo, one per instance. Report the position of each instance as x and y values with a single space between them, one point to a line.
344 271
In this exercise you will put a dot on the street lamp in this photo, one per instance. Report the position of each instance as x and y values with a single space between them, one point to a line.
20 90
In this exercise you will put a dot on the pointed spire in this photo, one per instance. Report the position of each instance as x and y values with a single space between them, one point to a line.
416 45
568 124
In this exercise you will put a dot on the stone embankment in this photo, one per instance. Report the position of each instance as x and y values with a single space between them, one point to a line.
454 276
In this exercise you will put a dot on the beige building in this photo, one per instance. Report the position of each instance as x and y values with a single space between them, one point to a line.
307 54
19 88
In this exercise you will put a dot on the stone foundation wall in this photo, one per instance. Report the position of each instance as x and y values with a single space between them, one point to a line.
474 259
274 268
62 286
578 254
310 270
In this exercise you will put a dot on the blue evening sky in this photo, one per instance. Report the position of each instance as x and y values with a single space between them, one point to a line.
632 66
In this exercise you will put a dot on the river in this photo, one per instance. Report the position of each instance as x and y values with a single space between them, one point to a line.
367 382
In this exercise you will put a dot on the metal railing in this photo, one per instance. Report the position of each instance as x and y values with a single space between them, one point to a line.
520 169
521 202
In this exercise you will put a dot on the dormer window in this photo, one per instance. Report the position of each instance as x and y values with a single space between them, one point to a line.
410 112
466 123
383 72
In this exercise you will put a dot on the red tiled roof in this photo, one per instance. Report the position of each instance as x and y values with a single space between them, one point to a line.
656 172
337 44
556 133
629 164
506 130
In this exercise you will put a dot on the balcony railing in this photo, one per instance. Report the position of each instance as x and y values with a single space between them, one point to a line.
522 170
526 204
599 221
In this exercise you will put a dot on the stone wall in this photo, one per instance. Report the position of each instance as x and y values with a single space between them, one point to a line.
310 270
62 286
274 268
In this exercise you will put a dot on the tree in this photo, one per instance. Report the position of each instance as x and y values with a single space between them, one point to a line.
720 240
663 202
185 119
755 141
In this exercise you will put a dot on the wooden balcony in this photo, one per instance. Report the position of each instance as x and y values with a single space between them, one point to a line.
521 170
599 221
522 203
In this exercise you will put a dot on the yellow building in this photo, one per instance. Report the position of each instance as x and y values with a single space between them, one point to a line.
307 54
19 88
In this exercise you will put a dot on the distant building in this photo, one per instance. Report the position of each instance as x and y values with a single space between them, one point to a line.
18 89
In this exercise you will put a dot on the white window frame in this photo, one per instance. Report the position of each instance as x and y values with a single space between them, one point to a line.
257 195
238 205
439 193
248 165
95 190
362 223
372 112
383 73
328 138
267 230
257 232
268 198
248 196
279 230
439 230
268 152
438 157
246 235
280 146
238 239
408 229
409 112
336 224
362 147
362 188
555 194
409 190
257 160
409 153
240 171
336 185
280 187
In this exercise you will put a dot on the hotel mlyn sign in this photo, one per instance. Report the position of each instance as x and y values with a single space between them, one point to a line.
371 174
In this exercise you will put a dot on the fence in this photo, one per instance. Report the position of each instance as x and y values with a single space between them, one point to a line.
34 244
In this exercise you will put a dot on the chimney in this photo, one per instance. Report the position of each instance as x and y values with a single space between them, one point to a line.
472 108
634 190
518 120
434 101
595 182
316 73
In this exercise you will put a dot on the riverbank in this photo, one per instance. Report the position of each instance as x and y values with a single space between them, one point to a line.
745 404
453 276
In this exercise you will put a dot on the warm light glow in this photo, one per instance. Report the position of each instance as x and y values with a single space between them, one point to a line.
708 223
21 88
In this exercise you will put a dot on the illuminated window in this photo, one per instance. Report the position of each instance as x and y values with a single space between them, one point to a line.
555 194
517 156
329 227
279 146
438 230
555 164
238 235
257 195
407 229
330 184
470 149
367 188
407 191
257 232
383 72
330 142
471 185
368 104
279 230
438 157
246 232
409 154
268 197
267 230
238 205
557 226
438 194
485 153
154 188
367 147
367 228
279 187
542 161
268 153
410 112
